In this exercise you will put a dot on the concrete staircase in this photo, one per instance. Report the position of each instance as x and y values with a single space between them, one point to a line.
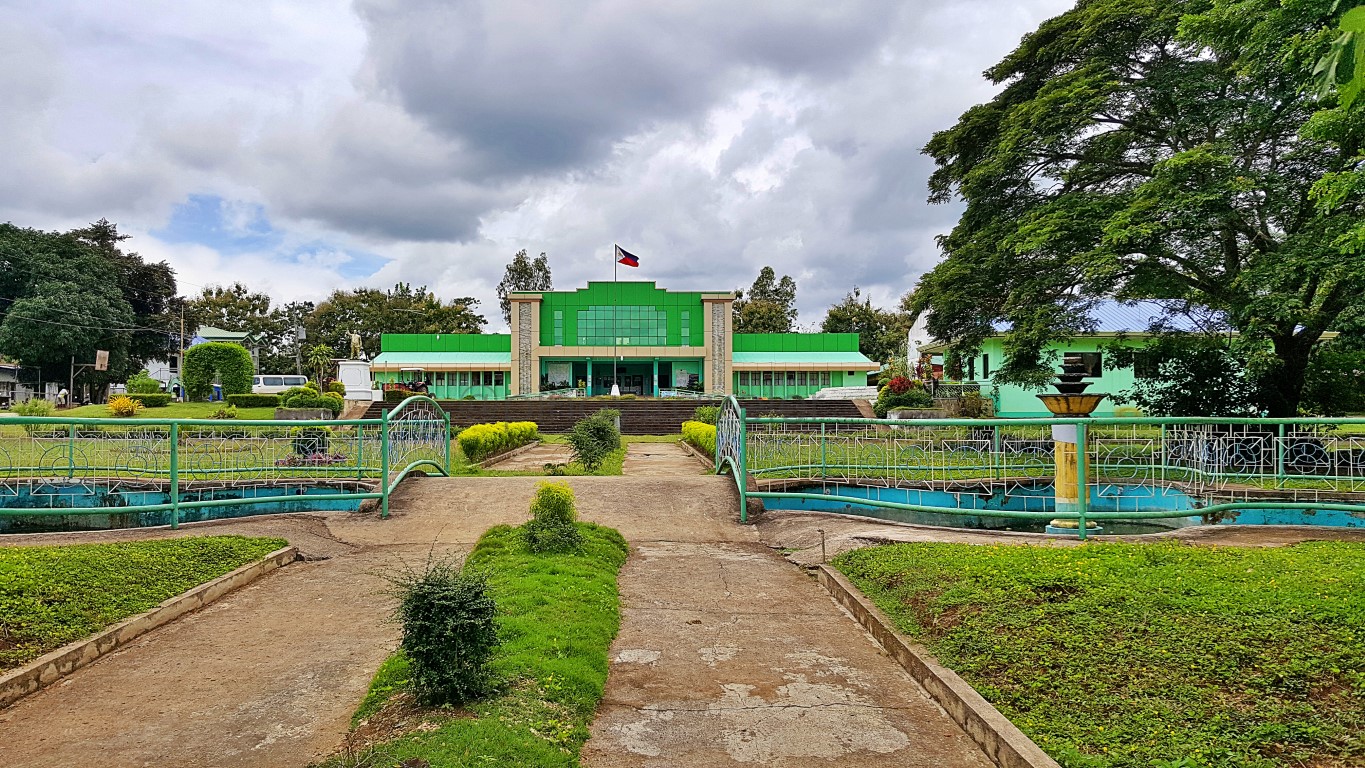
638 417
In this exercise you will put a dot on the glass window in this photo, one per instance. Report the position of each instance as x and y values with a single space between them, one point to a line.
625 326
497 378
971 371
1093 362
985 366
824 378
273 381
767 378
463 379
791 378
800 378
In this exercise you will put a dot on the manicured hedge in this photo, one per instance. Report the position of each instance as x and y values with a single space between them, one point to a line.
157 400
397 395
701 435
254 401
304 397
231 363
483 440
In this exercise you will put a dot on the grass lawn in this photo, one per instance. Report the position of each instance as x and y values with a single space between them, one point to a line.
172 411
557 616
51 596
1153 655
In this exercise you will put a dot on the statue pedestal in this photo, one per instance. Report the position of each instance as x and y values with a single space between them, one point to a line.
355 374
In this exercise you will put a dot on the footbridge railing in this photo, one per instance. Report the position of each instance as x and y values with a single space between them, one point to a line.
1133 469
56 466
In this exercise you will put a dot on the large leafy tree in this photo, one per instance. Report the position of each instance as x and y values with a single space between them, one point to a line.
881 332
234 308
403 309
63 296
523 274
769 306
1152 150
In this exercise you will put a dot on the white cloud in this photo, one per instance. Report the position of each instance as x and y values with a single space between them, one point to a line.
712 138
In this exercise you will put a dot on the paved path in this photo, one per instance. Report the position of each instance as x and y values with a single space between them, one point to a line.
727 654
659 460
536 458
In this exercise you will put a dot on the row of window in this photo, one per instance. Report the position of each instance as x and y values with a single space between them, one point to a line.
784 378
1093 362
636 326
465 378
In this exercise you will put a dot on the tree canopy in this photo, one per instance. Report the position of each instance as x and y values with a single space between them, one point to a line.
371 312
1150 150
881 332
768 307
66 295
523 274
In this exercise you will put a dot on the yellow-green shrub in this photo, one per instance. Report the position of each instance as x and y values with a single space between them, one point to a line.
701 435
483 440
124 407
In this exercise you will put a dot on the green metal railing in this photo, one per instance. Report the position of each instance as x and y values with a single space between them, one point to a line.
372 455
1225 464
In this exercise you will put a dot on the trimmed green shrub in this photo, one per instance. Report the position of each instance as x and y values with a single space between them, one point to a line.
254 401
912 395
701 435
706 414
973 405
551 527
306 397
397 395
449 633
309 441
153 400
337 388
229 363
225 413
141 383
480 441
593 438
35 407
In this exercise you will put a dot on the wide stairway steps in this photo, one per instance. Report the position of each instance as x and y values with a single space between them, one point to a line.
638 417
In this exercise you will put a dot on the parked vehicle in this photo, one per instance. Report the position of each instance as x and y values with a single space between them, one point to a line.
273 385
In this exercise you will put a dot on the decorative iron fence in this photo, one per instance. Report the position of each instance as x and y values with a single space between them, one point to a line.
97 458
1224 464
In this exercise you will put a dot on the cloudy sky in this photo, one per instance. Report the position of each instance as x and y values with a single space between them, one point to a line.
305 145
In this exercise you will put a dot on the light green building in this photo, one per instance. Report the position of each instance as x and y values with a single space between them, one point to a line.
650 341
1124 325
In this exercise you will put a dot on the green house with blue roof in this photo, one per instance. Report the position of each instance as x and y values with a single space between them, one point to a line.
648 341
1122 324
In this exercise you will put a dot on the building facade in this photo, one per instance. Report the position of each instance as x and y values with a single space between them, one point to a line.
649 341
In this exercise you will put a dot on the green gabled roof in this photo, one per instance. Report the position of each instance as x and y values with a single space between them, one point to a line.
418 359
796 342
446 342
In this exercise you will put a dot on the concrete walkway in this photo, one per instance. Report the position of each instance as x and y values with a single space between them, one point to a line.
659 460
535 459
727 654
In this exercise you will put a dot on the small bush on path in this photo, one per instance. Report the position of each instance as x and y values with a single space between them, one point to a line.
448 632
594 438
552 528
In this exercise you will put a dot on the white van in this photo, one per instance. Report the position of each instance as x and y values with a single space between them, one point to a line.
273 385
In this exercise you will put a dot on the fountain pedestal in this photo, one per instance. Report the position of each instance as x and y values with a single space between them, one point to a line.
1070 401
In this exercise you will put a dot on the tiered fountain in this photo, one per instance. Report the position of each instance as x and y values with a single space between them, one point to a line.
1071 401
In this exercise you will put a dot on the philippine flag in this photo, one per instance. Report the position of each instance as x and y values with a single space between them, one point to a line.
626 257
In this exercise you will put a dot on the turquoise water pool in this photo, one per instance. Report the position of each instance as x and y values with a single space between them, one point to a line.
976 514
276 498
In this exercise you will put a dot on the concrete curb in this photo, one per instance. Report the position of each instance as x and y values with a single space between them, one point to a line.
51 667
505 455
705 460
1001 740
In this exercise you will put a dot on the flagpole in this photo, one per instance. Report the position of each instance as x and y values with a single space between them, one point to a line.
615 327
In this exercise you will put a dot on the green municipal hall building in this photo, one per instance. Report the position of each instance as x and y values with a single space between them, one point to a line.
650 341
